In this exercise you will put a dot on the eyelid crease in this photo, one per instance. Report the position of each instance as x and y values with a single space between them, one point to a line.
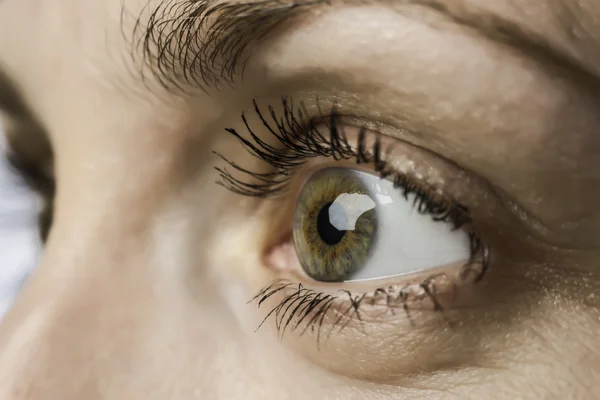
305 131
537 228
300 139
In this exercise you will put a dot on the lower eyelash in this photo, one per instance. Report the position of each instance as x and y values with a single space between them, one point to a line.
304 309
309 302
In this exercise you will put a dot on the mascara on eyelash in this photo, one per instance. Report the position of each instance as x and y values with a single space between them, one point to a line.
302 141
306 310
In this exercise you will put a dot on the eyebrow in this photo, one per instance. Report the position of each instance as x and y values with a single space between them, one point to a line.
202 44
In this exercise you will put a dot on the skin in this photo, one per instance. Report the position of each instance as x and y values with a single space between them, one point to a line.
143 289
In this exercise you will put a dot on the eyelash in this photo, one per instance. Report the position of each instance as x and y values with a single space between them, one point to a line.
301 141
312 307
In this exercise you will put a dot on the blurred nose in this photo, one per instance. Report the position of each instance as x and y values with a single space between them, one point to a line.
86 326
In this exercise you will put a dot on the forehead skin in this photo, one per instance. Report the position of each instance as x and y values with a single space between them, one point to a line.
133 299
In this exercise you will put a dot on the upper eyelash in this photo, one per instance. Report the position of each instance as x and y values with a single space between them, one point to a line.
301 141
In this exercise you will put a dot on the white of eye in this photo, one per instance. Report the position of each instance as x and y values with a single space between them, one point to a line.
406 241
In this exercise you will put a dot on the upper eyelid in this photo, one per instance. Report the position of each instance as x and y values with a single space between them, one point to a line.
190 44
295 125
300 140
496 204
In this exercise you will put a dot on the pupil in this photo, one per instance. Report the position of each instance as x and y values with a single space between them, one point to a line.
329 233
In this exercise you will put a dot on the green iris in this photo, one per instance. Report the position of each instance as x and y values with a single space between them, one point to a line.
334 225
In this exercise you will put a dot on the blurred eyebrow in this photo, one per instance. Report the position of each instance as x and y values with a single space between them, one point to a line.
203 44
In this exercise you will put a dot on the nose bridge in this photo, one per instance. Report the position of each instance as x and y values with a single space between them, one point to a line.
70 331
107 315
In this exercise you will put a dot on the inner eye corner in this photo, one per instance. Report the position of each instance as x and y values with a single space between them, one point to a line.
278 250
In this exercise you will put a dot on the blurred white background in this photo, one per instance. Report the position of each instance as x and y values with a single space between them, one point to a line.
19 243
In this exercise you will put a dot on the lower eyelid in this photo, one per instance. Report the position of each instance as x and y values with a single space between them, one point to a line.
375 301
327 319
412 334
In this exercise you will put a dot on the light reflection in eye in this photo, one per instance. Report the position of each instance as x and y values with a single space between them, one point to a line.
347 208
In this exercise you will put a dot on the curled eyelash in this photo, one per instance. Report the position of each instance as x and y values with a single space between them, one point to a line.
299 142
303 309
306 310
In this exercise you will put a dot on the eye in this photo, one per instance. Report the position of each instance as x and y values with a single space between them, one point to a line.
19 243
350 225
363 224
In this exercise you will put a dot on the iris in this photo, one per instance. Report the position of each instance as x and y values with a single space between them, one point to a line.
335 225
